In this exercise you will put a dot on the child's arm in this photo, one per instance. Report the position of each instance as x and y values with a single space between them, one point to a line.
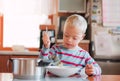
92 68
44 52
89 69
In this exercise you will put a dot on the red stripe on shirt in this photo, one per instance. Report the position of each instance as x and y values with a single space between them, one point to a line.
87 60
94 63
50 53
82 51
45 54
57 46
70 55
53 48
41 51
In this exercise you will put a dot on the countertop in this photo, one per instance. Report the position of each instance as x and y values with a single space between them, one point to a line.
19 53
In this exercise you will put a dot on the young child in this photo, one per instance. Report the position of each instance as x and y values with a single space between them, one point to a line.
69 53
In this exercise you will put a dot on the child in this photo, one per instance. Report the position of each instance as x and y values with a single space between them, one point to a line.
69 53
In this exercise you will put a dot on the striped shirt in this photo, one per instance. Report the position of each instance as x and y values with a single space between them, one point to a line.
71 57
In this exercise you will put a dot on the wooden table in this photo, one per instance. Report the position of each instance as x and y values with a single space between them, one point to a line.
76 78
92 78
105 78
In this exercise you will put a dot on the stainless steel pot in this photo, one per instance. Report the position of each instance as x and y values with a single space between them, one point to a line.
27 68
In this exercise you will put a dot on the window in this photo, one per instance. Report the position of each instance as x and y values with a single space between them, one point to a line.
22 19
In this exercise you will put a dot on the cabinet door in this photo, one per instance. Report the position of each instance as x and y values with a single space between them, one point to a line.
85 46
4 66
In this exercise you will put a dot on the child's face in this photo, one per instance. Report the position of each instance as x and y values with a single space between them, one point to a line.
71 37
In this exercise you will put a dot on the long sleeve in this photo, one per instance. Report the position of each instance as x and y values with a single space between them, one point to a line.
50 54
97 68
44 53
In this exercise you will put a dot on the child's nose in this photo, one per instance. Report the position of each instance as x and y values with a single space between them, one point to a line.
69 39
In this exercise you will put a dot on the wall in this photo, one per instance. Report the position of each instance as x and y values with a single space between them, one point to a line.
111 44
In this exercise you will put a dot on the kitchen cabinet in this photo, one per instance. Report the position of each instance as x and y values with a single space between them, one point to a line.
85 46
72 6
4 67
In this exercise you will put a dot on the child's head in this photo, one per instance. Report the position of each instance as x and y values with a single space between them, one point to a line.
74 31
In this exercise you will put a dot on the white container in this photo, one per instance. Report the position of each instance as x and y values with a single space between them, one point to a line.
6 77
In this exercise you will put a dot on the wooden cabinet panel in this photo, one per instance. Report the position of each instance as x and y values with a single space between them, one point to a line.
4 66
1 31
85 46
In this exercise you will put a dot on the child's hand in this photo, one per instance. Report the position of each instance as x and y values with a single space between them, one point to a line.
89 69
46 40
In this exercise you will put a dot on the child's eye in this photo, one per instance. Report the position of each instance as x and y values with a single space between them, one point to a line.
75 38
66 35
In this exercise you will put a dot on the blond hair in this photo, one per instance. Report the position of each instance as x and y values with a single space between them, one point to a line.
76 21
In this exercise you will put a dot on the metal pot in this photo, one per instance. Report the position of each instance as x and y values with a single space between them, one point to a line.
27 68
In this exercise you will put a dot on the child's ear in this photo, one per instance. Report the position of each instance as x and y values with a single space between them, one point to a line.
83 36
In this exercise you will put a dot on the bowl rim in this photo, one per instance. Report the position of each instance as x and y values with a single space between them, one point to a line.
56 69
62 67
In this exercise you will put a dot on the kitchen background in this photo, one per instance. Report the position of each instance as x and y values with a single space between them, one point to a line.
20 25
